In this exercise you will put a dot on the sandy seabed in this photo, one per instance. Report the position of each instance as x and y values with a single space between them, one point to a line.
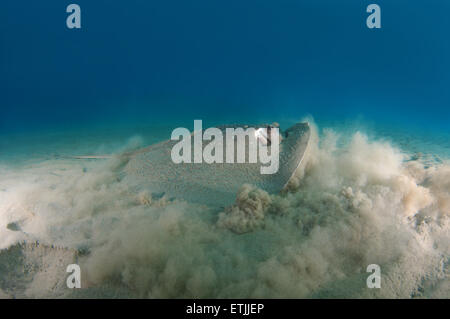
358 201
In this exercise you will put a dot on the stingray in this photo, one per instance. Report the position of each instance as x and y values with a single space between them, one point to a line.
151 169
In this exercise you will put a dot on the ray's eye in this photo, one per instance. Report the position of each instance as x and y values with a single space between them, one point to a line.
263 135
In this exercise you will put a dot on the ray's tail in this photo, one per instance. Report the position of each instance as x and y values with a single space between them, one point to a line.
92 157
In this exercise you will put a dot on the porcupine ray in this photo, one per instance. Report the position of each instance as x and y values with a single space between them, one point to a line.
152 169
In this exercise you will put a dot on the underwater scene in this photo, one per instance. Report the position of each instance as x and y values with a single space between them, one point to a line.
350 100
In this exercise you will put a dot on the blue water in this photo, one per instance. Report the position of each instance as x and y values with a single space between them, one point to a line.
149 62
